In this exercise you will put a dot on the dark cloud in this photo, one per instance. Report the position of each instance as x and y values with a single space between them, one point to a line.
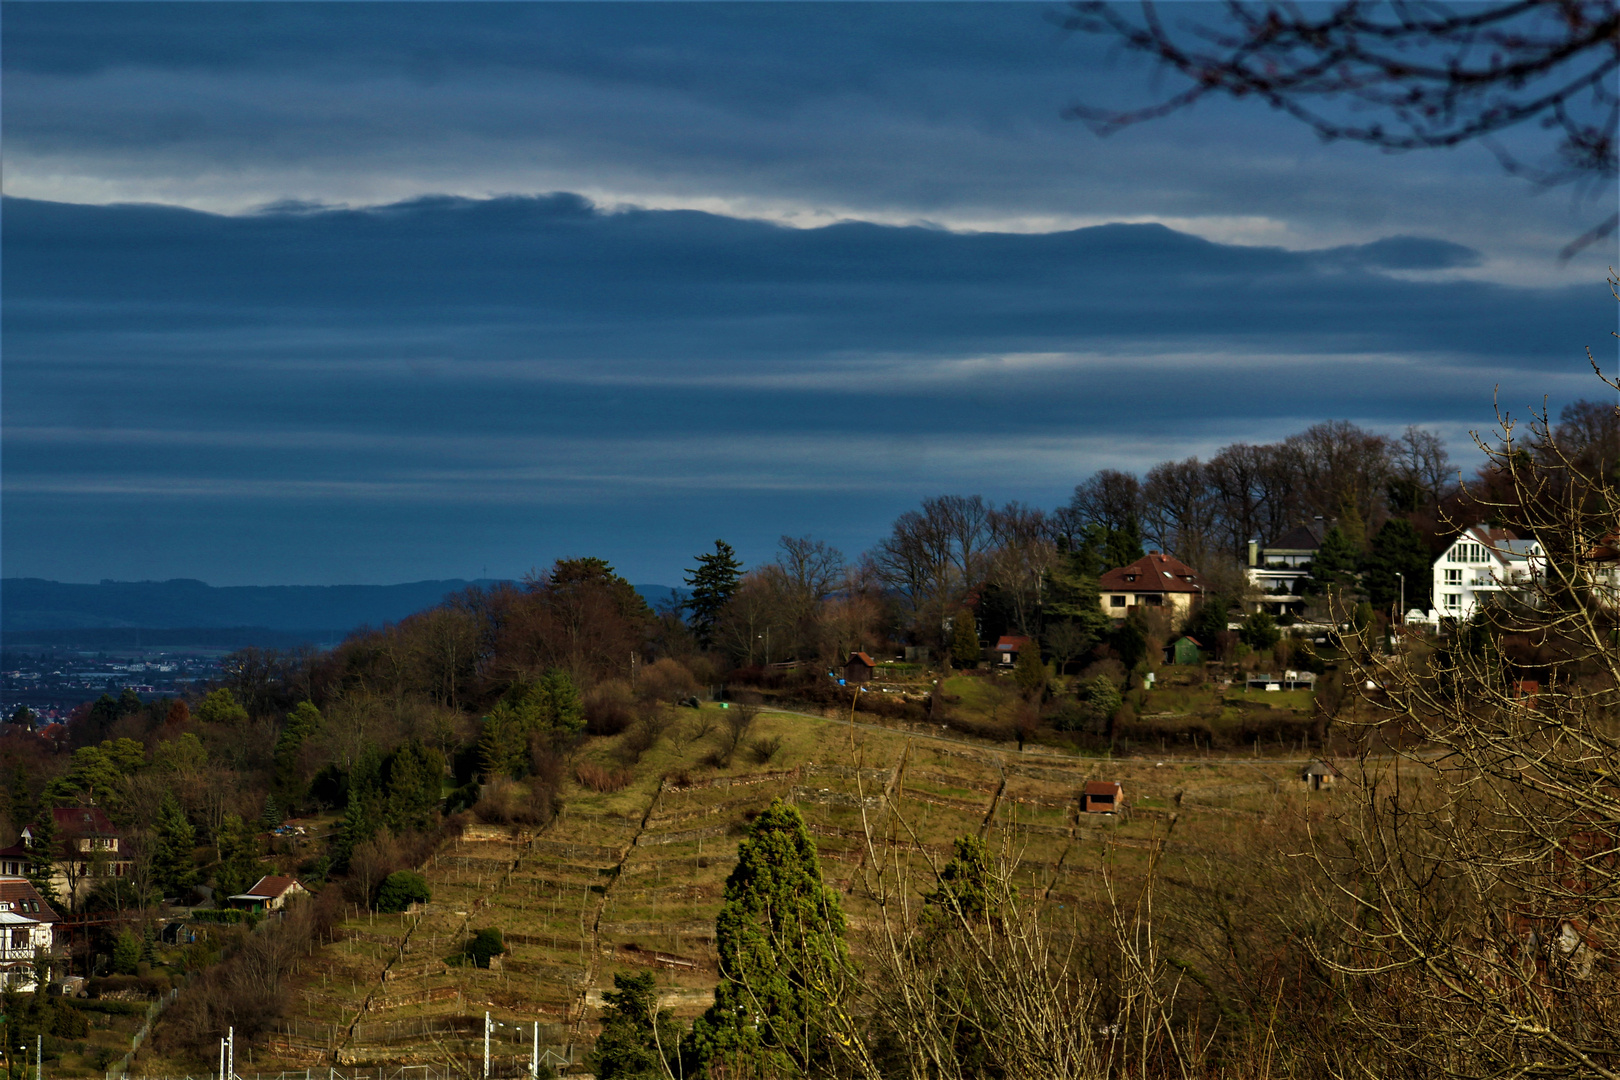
251 397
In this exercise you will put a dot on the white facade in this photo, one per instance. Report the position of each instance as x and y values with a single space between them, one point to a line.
1482 562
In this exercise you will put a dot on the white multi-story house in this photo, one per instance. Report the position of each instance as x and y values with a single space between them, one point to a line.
1482 562
26 929
1280 569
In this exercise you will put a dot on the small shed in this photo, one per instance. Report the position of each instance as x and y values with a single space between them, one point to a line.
1183 650
269 893
1102 797
858 668
1007 647
1319 774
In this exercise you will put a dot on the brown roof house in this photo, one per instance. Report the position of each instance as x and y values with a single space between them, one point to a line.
1154 581
27 926
1005 654
1102 797
858 668
269 893
89 850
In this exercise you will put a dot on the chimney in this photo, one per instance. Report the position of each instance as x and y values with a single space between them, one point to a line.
1254 553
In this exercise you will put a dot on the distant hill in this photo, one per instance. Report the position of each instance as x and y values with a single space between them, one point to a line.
58 611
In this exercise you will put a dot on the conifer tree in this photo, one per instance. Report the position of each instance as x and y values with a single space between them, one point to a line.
780 936
713 582
639 1041
173 866
964 640
42 854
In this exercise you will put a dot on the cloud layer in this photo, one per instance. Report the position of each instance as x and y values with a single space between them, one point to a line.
454 386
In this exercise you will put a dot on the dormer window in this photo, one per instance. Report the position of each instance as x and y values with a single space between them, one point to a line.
1130 577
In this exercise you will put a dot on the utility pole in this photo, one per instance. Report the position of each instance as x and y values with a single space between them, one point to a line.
534 1055
486 1044
230 1053
39 1057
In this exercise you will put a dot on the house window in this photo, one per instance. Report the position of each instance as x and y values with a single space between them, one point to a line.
1153 599
1116 601
19 937
1453 601
1453 577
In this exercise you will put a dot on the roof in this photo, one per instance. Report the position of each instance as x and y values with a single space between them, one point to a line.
1502 545
1605 549
83 821
1300 538
1010 643
862 657
1103 787
15 851
1188 637
269 887
1154 573
13 889
1321 768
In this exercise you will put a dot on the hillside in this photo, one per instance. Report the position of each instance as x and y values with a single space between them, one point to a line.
631 881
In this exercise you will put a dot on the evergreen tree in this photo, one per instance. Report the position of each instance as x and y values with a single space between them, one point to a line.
1029 673
173 855
964 883
780 938
413 781
271 816
20 803
634 1031
713 581
1334 568
42 854
965 648
239 864
1398 549
303 722
126 954
567 706
1260 631
221 707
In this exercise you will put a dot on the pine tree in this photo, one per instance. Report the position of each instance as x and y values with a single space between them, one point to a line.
42 854
713 581
634 1031
1398 550
1333 571
1029 673
238 859
780 936
173 862
964 640
126 954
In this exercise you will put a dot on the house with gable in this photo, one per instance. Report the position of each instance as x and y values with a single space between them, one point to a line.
89 849
1483 562
1153 581
27 927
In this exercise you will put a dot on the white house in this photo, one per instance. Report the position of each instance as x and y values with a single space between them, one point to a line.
1281 568
269 893
1482 562
26 927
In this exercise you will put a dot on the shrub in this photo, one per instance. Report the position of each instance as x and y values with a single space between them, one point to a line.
609 708
765 748
599 778
400 890
666 680
484 946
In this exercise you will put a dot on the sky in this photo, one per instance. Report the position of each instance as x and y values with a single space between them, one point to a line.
369 293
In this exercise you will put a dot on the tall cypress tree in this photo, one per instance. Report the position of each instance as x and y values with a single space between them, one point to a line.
780 936
713 581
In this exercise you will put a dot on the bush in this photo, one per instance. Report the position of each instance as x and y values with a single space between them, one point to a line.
666 680
609 708
400 890
1259 631
484 946
599 778
765 748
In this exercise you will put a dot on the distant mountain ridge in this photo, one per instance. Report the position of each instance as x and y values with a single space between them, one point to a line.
35 604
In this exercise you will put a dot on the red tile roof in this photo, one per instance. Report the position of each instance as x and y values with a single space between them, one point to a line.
862 657
16 890
1011 643
1154 573
1103 787
82 821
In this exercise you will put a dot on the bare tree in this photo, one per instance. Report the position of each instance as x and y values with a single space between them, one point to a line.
1399 75
1110 498
1179 510
1475 881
